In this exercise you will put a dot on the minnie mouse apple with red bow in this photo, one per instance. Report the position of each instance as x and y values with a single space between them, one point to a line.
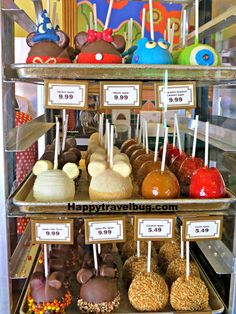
99 47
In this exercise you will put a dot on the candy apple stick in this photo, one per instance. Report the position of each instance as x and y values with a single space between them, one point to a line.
143 132
99 248
106 135
129 132
90 20
184 29
95 258
195 137
143 22
149 256
182 243
168 30
174 135
54 13
146 136
164 150
164 35
45 253
206 144
140 131
56 146
178 134
196 21
65 127
151 20
157 142
137 126
112 145
130 33
108 14
187 260
172 30
95 17
138 248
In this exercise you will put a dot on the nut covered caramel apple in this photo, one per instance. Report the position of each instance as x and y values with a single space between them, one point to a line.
160 185
207 183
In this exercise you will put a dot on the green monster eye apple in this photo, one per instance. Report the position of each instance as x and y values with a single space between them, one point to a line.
199 54
175 55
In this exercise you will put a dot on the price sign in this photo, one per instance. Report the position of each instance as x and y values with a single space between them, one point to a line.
181 95
52 231
154 227
202 228
104 230
121 95
66 94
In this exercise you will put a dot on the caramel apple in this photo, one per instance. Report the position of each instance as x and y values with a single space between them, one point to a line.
137 153
146 168
127 144
160 185
132 148
139 161
188 167
207 183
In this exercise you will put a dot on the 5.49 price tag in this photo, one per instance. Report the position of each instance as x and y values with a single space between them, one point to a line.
121 95
66 94
154 227
104 230
202 228
52 231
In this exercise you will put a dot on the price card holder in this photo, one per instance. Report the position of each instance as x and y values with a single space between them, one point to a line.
52 231
154 228
66 94
202 228
121 95
181 95
104 230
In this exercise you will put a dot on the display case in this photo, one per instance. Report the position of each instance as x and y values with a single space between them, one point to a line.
215 88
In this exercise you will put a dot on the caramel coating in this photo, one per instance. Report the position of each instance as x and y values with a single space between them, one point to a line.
148 292
139 161
160 185
189 294
130 248
132 149
127 144
145 169
168 252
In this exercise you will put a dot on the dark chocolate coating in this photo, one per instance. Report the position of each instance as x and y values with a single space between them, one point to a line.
48 155
75 151
48 49
99 289
70 157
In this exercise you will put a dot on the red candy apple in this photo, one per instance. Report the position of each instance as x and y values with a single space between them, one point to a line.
169 146
187 168
171 153
207 183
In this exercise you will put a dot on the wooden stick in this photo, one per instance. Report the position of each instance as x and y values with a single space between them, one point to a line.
95 17
157 142
206 144
164 150
151 20
143 22
108 14
195 137
149 256
45 253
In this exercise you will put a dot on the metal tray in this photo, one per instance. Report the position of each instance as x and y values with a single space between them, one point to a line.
83 205
40 72
215 303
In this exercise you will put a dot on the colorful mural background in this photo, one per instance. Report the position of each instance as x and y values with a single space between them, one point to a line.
123 10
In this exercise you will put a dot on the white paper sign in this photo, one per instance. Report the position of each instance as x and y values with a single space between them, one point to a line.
105 231
178 96
66 95
53 232
209 229
154 228
121 95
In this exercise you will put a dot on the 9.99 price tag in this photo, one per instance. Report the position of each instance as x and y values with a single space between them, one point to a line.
65 94
154 227
52 231
121 95
104 230
202 228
